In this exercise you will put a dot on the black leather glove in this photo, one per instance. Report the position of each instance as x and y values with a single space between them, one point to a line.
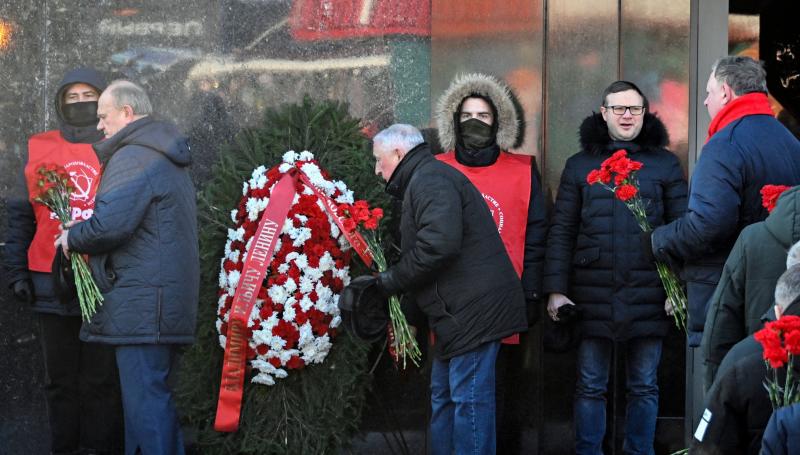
23 291
379 285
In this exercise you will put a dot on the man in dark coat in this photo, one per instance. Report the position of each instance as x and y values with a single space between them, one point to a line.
81 384
596 261
738 406
142 243
745 291
746 149
478 123
454 266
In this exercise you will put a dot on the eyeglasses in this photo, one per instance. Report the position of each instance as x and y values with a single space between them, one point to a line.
620 110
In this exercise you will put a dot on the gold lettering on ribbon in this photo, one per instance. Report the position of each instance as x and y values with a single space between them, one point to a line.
232 378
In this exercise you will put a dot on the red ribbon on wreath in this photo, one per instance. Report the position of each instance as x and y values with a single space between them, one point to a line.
229 405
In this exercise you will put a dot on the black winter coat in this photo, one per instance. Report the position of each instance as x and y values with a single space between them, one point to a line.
142 239
746 289
453 263
738 408
594 252
20 215
735 164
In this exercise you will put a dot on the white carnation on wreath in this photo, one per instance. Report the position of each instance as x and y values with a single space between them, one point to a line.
295 318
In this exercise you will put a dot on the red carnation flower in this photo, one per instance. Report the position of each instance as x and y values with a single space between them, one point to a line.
770 195
625 192
792 341
295 363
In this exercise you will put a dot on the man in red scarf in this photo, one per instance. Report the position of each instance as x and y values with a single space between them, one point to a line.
746 149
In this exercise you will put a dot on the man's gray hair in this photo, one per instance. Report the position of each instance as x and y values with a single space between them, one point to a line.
743 74
399 136
126 93
793 256
788 288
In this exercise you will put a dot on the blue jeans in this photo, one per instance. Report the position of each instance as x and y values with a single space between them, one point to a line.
151 421
462 402
642 356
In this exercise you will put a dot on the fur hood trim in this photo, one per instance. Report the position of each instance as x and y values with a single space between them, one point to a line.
594 134
464 85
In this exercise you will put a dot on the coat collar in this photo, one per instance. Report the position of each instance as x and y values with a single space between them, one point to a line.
398 182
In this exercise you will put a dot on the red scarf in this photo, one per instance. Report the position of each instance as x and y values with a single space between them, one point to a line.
749 104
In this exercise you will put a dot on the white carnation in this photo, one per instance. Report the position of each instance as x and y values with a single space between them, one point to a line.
277 294
306 286
263 378
280 373
290 157
233 278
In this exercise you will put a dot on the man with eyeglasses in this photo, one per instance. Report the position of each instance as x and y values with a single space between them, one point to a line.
596 262
746 149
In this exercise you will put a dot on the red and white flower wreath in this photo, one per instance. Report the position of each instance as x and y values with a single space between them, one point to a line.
296 314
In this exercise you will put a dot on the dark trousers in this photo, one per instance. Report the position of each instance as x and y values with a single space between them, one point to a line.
509 397
151 421
81 389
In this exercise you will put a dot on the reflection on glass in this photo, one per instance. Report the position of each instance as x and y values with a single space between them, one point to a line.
654 43
499 38
581 61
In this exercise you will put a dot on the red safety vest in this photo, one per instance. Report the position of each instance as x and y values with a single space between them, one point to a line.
83 166
506 187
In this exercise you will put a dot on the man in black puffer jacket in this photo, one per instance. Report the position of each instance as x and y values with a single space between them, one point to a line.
142 243
594 256
455 267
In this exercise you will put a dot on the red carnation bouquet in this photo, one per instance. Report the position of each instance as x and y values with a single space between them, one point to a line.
402 343
621 170
54 187
770 195
781 342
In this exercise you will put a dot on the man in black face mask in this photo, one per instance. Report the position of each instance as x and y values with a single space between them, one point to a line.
81 381
478 122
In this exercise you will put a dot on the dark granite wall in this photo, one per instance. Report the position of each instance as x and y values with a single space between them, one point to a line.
212 66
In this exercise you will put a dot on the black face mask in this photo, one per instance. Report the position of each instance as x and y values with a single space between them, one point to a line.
475 134
80 114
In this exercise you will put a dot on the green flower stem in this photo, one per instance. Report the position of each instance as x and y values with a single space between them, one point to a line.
407 346
57 200
89 295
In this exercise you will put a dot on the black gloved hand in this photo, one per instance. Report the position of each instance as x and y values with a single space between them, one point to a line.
379 285
23 291
646 240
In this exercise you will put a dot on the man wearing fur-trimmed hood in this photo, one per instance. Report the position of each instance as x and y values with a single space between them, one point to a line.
596 261
478 122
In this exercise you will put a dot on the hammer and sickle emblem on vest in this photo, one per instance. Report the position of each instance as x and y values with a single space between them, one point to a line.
83 185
